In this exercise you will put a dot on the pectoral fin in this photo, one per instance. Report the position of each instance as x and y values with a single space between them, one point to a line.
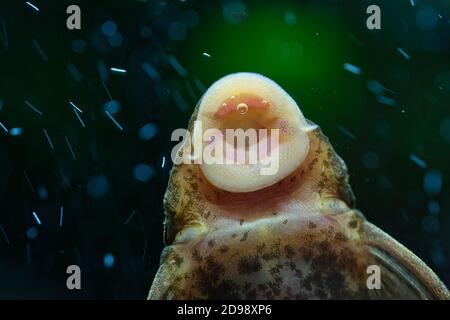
403 274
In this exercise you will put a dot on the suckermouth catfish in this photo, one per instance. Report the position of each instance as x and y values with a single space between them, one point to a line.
233 233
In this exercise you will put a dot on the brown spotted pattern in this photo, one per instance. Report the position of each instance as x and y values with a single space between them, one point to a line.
301 238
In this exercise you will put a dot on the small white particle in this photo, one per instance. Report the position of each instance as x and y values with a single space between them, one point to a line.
118 70
32 6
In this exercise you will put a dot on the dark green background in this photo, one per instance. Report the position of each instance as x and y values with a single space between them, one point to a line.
305 58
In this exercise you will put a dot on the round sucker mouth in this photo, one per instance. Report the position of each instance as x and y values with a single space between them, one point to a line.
253 133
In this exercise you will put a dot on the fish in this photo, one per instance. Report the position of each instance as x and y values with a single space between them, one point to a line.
231 232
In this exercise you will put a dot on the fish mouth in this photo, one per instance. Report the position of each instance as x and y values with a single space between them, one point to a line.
254 128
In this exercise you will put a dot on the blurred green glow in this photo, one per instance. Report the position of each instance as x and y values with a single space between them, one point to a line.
300 48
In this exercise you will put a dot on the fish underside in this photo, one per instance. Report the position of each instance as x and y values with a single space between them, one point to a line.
300 238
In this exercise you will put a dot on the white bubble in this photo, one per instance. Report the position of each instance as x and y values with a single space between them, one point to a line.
242 108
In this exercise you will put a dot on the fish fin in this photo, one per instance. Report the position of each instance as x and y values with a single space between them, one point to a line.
403 274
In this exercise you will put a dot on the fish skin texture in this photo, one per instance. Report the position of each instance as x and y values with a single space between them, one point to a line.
301 238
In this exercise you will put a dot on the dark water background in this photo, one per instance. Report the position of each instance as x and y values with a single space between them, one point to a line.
389 120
